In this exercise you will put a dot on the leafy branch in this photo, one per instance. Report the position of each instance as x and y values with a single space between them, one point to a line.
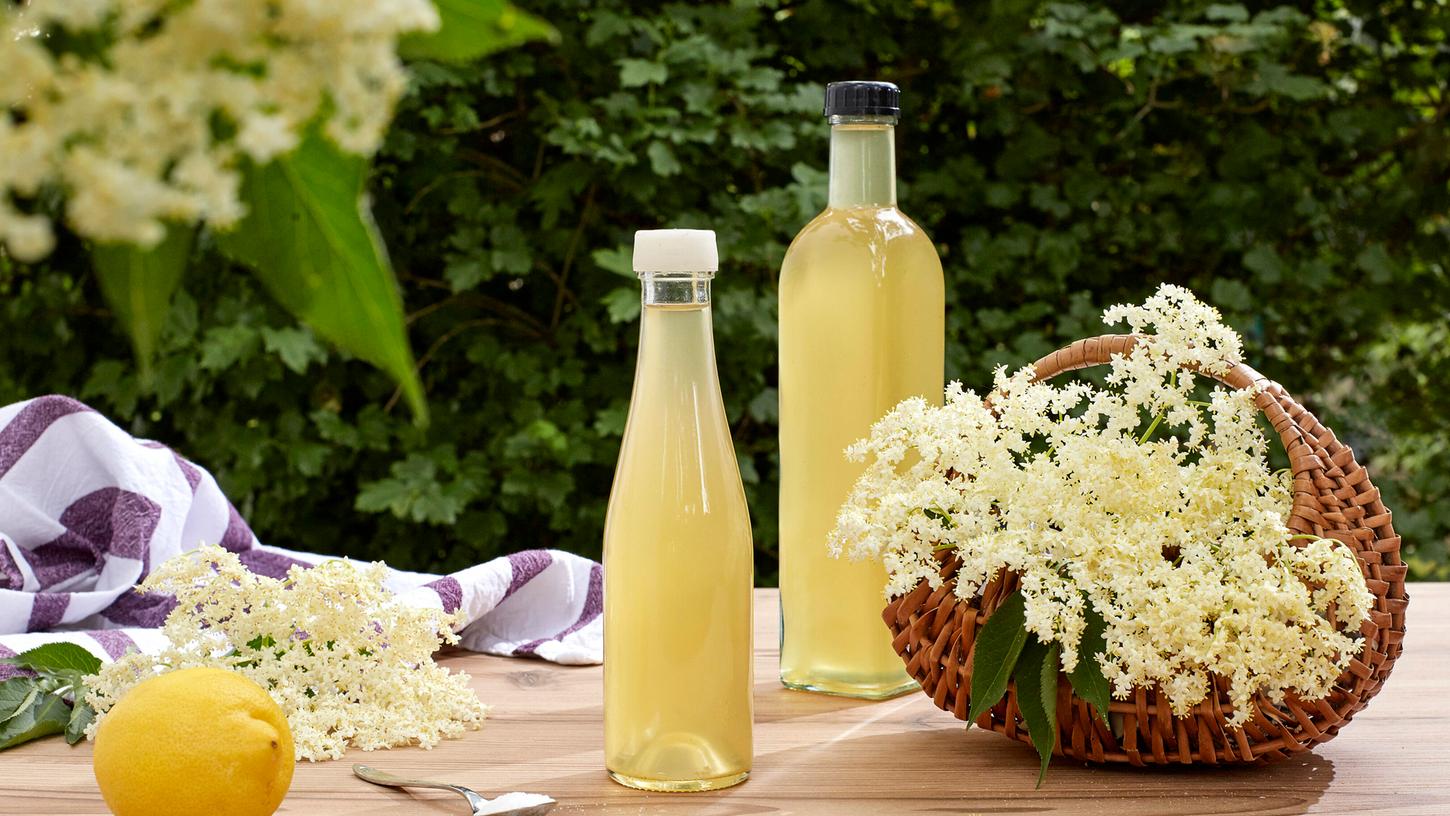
51 699
309 234
1005 649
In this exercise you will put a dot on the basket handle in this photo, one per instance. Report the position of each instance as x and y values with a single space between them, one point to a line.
1100 350
1281 410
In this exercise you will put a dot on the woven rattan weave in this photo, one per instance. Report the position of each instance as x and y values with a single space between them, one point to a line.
1333 497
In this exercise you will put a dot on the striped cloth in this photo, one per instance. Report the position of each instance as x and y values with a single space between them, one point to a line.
86 510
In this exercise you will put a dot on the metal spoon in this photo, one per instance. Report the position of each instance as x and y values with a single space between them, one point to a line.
510 804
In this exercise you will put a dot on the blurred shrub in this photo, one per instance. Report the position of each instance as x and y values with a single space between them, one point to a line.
1288 162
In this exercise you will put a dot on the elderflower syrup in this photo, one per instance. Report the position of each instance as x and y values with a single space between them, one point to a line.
861 328
677 547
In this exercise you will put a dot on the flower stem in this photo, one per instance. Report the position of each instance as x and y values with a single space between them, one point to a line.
1162 413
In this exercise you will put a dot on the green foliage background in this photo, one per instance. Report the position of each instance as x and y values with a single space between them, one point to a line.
1291 163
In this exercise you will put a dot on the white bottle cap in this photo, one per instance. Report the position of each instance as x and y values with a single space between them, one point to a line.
675 250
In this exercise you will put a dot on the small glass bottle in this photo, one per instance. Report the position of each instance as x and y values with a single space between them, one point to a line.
862 313
678 553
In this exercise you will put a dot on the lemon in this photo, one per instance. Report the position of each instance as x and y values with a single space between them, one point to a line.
193 742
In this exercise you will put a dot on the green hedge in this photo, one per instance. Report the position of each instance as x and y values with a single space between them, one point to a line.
1289 163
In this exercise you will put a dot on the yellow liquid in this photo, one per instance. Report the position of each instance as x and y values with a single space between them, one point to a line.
861 328
678 560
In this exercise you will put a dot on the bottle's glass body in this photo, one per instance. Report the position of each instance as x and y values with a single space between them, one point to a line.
678 558
862 316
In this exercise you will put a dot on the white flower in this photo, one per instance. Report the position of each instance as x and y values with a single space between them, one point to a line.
27 236
347 663
1181 545
153 128
264 137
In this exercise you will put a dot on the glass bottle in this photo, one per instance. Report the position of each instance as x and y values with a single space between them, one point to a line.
678 553
861 328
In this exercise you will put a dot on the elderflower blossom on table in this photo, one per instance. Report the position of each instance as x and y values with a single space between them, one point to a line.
347 663
1181 545
142 111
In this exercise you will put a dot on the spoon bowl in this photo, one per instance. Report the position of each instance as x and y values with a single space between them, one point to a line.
509 804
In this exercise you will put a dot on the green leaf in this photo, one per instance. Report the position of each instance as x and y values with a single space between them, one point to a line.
138 284
1274 78
471 29
46 715
623 304
53 658
16 694
417 491
1087 676
392 495
609 422
662 160
12 693
619 260
1230 295
765 407
995 654
1036 679
1265 262
636 72
1229 12
295 346
465 273
1376 262
224 346
81 716
309 235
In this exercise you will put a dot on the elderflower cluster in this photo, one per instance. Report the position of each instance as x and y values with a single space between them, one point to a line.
138 112
1179 542
347 663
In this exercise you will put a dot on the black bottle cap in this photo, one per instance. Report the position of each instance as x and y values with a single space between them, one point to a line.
863 99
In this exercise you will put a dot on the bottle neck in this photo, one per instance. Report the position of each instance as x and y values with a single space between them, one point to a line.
676 337
863 161
676 288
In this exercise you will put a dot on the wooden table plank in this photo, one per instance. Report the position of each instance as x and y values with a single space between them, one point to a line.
821 755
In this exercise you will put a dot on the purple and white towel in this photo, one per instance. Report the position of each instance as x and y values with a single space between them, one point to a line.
86 510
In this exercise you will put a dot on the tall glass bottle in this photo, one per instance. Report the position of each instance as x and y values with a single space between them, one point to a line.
861 328
678 554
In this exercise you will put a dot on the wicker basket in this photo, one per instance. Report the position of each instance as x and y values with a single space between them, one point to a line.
934 630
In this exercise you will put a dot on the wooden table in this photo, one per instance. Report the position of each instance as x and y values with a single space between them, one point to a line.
822 755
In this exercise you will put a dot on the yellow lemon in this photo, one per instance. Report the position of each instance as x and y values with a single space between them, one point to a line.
192 742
